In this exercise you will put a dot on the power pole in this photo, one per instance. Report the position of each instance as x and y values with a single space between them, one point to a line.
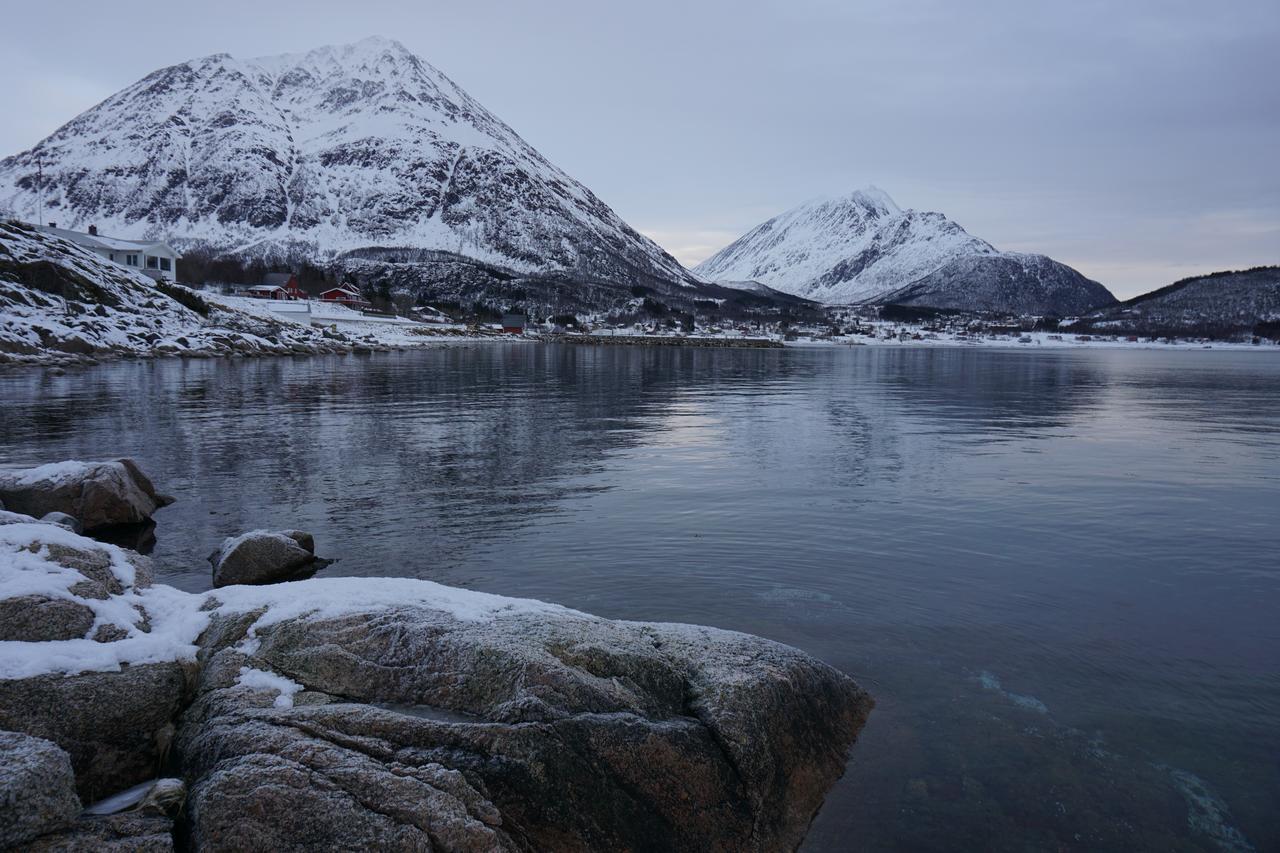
39 191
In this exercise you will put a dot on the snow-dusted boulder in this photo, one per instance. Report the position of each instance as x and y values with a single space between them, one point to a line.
402 714
73 612
60 586
37 789
263 556
394 713
97 494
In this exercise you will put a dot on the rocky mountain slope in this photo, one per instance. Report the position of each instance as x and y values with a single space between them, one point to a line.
1007 283
864 248
1221 304
311 155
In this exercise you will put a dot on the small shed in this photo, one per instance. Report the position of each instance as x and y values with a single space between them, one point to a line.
513 324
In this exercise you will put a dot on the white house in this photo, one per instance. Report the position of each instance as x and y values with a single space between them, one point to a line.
155 258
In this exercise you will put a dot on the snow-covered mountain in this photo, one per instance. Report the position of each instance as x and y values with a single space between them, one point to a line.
314 154
862 247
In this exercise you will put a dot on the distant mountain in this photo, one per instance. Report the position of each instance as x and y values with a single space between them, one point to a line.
361 146
1007 283
1221 304
863 248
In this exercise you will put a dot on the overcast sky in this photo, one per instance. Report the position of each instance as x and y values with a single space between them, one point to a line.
1137 141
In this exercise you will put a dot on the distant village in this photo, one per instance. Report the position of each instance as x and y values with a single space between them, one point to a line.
284 294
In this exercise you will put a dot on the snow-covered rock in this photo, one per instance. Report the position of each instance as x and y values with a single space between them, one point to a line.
94 494
263 556
862 247
314 154
377 712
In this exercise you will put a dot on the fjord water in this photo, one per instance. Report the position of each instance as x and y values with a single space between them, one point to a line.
1058 572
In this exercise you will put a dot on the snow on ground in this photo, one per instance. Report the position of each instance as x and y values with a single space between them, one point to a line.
387 331
61 303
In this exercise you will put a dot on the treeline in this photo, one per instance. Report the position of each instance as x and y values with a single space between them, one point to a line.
199 268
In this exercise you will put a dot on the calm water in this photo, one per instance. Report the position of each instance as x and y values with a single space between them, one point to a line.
1059 573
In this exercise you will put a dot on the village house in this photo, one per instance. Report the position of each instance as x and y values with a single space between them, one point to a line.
276 285
513 324
154 258
346 294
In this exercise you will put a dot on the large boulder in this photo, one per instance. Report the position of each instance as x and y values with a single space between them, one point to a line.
401 714
435 719
37 789
97 494
116 726
71 605
263 556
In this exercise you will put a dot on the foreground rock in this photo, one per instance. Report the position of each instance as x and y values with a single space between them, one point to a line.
78 601
469 722
130 832
381 713
37 789
96 494
263 556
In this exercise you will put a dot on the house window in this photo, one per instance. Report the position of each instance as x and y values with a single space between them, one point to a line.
153 262
131 260
165 265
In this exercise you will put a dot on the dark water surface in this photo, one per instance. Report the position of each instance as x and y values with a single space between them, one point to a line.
1059 572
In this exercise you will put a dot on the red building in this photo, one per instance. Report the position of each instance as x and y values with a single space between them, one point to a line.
345 294
286 281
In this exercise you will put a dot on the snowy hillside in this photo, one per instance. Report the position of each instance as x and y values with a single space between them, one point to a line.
1221 304
59 302
314 154
863 247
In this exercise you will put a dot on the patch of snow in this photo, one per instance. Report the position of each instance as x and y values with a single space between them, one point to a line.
54 472
259 679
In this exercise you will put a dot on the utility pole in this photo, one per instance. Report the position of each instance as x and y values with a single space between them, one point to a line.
39 191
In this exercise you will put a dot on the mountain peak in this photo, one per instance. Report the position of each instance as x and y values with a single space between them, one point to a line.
874 198
315 154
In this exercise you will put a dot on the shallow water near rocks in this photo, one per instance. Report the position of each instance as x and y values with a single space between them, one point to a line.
1058 572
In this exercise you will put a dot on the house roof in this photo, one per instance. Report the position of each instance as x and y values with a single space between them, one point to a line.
99 241
265 288
277 278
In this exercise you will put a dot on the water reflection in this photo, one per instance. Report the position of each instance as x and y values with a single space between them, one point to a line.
1056 570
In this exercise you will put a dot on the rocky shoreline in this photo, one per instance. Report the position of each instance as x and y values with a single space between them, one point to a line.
374 712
